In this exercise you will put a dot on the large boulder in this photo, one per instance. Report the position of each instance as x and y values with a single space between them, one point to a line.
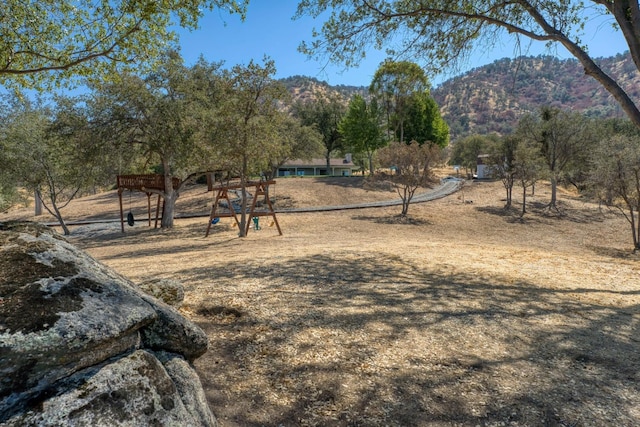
82 345
167 290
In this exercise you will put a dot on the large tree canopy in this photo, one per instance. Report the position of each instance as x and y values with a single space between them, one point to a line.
442 32
360 128
43 42
158 113
394 84
324 114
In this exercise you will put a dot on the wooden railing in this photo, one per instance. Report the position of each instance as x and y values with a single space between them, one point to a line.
144 182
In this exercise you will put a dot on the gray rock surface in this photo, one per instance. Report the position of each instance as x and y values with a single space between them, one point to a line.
78 342
167 290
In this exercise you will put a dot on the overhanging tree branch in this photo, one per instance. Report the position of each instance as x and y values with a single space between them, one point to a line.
445 31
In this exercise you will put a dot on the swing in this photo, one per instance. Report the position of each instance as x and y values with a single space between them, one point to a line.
215 220
130 219
253 215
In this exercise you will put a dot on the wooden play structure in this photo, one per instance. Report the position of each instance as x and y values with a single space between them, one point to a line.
222 193
148 184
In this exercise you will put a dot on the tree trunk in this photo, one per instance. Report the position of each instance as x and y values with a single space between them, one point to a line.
58 216
508 204
328 159
168 208
636 236
243 198
38 203
554 192
524 200
266 194
406 200
170 196
405 207
632 221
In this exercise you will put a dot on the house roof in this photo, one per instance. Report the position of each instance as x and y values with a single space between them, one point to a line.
319 163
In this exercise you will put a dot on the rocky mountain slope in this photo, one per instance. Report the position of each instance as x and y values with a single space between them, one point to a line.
493 97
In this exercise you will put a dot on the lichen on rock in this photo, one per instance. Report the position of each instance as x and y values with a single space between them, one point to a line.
64 319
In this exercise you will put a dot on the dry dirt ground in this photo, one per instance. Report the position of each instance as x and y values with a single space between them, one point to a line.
465 315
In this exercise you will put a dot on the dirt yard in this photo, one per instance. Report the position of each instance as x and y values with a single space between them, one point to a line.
465 315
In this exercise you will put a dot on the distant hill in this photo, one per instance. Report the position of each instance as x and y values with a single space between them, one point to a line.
493 97
304 88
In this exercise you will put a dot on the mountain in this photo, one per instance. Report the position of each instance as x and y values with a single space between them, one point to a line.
492 98
304 88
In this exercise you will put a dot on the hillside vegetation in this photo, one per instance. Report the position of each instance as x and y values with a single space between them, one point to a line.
493 97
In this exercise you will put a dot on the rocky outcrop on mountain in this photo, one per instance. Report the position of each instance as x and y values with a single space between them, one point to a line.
81 345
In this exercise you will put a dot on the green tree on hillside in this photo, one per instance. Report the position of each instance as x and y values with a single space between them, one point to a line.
424 123
360 128
394 85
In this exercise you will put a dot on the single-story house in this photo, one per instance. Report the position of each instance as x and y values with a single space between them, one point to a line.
337 167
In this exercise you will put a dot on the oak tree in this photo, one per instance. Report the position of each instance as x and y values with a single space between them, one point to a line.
615 175
411 168
502 157
324 114
50 150
465 151
249 123
560 136
159 114
49 43
528 166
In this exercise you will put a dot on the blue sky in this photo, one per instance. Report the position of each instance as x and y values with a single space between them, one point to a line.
270 30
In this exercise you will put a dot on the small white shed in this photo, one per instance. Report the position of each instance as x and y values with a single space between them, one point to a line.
483 171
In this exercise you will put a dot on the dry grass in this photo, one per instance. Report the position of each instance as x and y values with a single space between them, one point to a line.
465 315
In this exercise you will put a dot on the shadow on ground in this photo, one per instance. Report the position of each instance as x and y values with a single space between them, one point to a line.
392 219
361 339
538 212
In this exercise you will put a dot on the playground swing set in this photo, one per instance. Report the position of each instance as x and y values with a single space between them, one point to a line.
260 188
154 184
148 184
